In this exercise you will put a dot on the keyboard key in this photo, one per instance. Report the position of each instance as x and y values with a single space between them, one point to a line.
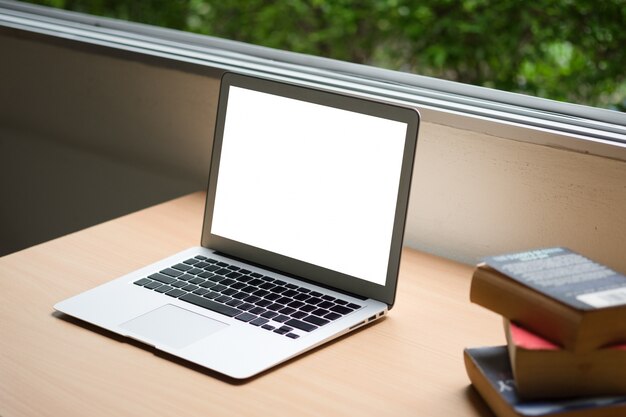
315 294
175 293
299 324
246 317
279 282
171 272
259 321
222 264
178 284
162 278
201 264
244 271
263 303
164 288
211 261
223 298
246 306
238 285
208 284
268 279
325 304
298 314
257 310
287 310
269 314
206 274
341 302
143 281
278 290
320 312
217 278
186 277
249 289
251 298
353 306
282 330
182 267
308 308
275 307
281 318
284 300
291 286
314 300
302 297
219 288
292 335
200 257
295 304
212 294
201 291
197 280
303 290
290 293
234 302
233 267
327 298
272 296
229 291
341 309
268 327
154 284
256 275
318 321
190 287
191 261
267 286
256 282
332 316
240 295
195 271
261 293
211 305
211 268
222 271
228 281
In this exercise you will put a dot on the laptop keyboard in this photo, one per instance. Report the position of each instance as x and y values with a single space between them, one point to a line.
268 303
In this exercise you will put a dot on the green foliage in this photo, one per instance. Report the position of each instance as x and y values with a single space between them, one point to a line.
571 50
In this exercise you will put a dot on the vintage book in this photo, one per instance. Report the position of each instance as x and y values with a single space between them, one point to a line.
545 370
489 371
558 294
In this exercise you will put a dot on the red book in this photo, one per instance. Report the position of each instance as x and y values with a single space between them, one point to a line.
543 369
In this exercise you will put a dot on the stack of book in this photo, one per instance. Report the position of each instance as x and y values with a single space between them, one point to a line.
565 324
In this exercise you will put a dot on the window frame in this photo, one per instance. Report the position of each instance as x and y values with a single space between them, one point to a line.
498 113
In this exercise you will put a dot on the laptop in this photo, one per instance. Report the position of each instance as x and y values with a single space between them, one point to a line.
303 227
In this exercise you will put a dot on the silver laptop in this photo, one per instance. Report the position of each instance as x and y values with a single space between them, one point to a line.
302 234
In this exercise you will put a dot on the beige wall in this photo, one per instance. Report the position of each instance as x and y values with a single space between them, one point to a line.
151 121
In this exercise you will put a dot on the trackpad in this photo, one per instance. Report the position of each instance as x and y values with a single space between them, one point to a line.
172 326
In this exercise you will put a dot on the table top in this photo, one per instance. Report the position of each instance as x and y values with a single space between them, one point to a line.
410 363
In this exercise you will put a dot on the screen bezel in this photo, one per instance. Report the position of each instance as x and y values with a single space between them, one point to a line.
385 293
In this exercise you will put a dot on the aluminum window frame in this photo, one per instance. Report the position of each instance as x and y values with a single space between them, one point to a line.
498 113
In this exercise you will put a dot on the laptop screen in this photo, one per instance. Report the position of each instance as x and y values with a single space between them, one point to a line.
316 178
311 182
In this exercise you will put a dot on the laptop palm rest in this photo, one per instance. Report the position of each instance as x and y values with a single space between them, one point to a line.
171 326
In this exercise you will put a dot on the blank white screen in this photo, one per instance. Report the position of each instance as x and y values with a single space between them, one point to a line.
310 182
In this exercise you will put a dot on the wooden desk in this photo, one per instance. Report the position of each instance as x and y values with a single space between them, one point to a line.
409 364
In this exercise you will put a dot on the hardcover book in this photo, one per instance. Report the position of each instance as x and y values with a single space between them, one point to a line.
490 372
557 294
543 369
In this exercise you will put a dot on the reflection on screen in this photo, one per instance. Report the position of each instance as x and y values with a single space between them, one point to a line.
310 182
